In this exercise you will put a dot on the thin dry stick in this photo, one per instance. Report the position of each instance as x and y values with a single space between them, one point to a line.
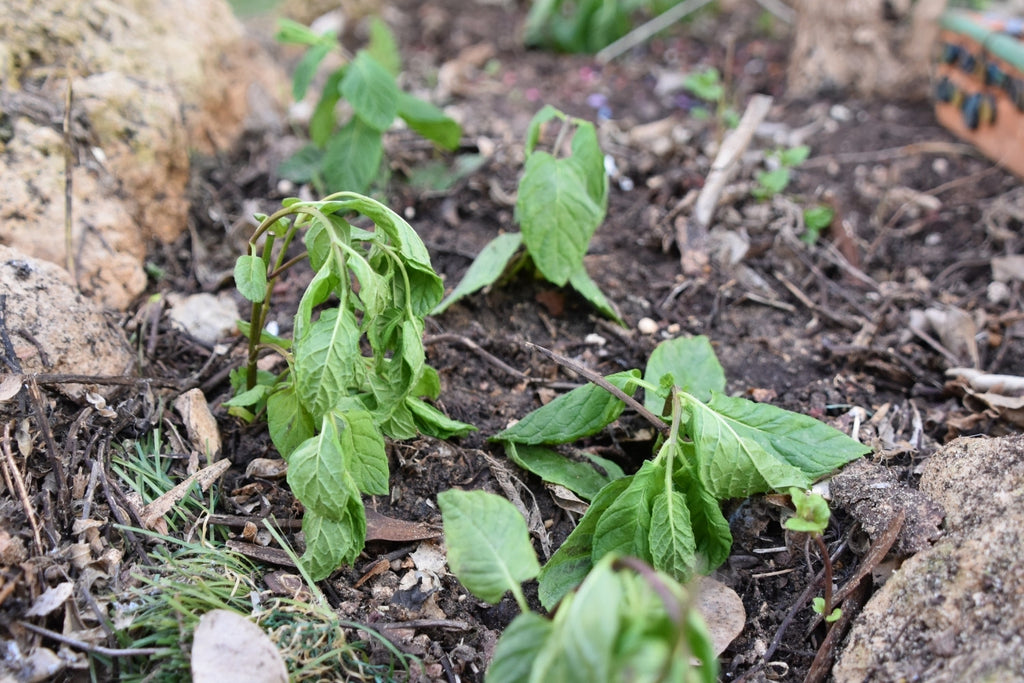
14 481
645 31
692 235
600 381
477 349
89 647
56 463
69 257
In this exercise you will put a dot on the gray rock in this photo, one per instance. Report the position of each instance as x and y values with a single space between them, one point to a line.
954 612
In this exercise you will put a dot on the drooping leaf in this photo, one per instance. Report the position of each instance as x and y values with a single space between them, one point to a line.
330 544
429 121
288 422
582 412
517 649
581 281
625 527
352 157
317 474
800 442
568 566
557 215
251 277
673 548
545 114
363 452
710 527
486 268
581 478
383 48
693 365
327 360
488 543
371 91
430 420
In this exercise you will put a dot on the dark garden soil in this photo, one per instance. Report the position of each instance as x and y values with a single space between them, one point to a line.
823 329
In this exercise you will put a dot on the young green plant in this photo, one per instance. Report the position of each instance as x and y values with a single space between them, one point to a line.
811 517
626 622
356 369
562 199
348 157
775 181
710 447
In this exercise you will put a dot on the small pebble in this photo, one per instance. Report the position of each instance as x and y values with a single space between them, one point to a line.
595 339
646 326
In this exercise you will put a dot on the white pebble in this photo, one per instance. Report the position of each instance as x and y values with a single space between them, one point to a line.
646 326
595 339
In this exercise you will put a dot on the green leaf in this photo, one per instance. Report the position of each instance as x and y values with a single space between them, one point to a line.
812 512
546 113
589 160
581 281
557 215
579 477
693 365
352 157
486 268
673 548
323 120
317 474
293 33
365 457
569 565
306 68
251 277
770 183
265 337
710 528
489 546
430 420
582 412
371 91
429 121
625 527
794 156
328 360
383 48
288 422
517 649
302 166
330 544
801 441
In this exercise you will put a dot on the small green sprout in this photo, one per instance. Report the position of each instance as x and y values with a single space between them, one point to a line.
812 515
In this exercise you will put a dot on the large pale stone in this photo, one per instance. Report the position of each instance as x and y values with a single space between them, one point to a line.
152 82
954 612
53 328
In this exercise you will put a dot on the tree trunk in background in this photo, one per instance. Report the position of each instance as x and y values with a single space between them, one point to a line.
863 47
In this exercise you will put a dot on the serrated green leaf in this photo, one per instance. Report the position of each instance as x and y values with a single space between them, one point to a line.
363 451
489 546
671 539
545 114
486 268
306 68
557 215
581 281
517 649
569 565
800 441
710 527
352 157
251 277
382 46
288 422
430 420
371 91
330 544
317 473
589 159
579 477
624 528
693 365
303 166
429 121
328 360
582 412
323 121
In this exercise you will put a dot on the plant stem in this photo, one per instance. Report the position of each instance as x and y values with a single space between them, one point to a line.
828 575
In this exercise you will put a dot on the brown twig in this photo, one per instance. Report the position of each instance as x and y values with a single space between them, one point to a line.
103 380
57 465
600 381
479 350
89 647
15 482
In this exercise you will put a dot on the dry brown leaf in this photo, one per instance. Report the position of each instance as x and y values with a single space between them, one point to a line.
10 385
199 422
382 528
229 648
153 513
51 599
266 468
722 610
